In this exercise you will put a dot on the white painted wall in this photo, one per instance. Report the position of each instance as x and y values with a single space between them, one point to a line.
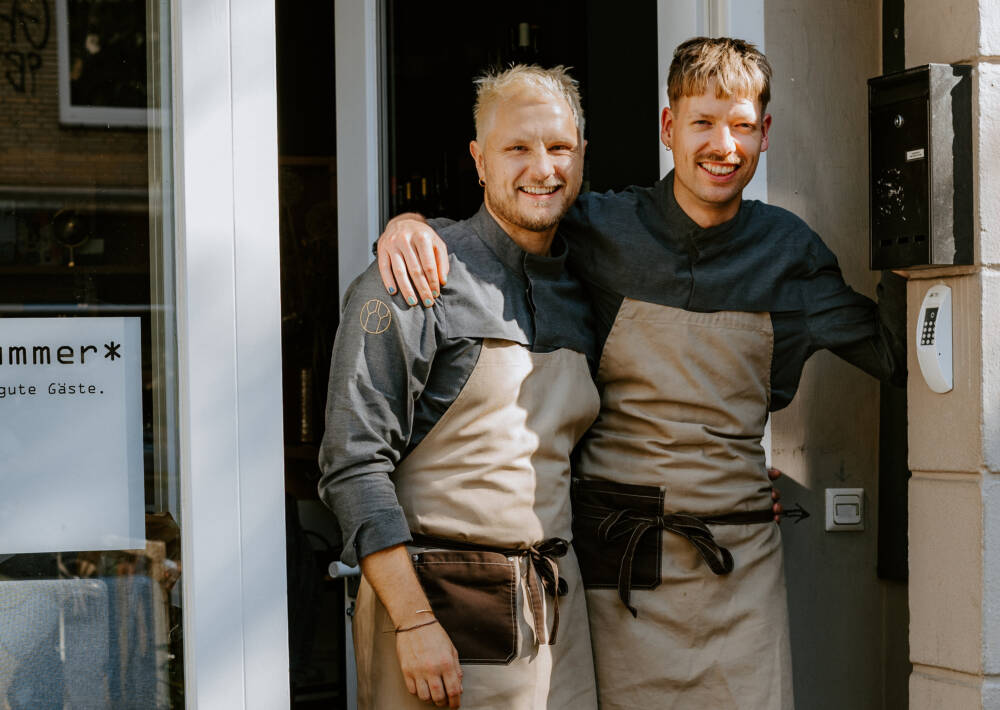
848 627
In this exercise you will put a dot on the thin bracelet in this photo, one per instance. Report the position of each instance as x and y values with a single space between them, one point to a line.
416 626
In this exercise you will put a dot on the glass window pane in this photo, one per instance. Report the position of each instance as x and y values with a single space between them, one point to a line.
90 553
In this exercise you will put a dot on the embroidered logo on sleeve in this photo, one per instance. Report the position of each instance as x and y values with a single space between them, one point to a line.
375 317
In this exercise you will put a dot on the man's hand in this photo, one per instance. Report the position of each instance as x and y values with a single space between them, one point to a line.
430 666
426 655
412 257
773 474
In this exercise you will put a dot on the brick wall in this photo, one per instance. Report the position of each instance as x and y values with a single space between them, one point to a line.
35 149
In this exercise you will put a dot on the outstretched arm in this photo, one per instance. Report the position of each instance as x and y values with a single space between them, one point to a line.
413 258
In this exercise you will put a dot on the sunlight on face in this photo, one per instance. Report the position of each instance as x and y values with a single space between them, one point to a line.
531 159
716 144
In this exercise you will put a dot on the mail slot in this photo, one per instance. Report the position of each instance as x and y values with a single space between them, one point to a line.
920 160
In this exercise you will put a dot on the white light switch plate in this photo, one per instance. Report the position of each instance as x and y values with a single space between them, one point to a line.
845 509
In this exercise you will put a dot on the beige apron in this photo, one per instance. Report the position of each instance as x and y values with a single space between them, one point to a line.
494 470
684 403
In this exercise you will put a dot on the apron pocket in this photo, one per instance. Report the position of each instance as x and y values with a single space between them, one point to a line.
601 559
473 595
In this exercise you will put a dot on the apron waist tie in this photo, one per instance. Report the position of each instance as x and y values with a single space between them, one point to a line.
617 524
543 565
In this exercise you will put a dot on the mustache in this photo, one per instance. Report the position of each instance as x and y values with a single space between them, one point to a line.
719 158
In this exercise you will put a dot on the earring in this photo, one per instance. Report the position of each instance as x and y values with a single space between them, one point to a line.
482 183
668 147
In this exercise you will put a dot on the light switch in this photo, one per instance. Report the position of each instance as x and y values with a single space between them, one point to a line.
845 509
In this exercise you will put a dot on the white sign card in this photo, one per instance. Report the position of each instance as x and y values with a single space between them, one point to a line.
71 457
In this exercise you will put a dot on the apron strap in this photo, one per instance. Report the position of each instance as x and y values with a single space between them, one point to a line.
635 524
542 566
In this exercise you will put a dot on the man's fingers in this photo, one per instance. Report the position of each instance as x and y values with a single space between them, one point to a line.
438 695
775 494
773 473
428 262
453 685
411 685
415 270
441 256
385 270
777 509
402 278
423 692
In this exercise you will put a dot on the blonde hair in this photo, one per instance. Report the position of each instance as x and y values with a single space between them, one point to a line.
494 86
740 70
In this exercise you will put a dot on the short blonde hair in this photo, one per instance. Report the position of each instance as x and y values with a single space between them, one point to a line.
740 70
494 86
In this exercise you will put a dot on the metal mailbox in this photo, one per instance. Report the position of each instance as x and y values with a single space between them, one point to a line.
920 161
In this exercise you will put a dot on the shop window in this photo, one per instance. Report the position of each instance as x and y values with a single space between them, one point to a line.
90 519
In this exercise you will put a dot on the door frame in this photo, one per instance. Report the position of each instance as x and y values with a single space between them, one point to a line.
229 354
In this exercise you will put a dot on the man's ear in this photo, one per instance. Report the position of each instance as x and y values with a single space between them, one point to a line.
765 130
477 155
666 126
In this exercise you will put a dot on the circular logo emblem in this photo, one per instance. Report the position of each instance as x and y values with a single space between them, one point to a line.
375 317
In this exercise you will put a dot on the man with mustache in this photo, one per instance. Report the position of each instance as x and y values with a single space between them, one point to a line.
707 307
446 456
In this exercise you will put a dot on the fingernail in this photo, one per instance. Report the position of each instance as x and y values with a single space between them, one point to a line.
392 290
412 301
436 294
428 302
444 280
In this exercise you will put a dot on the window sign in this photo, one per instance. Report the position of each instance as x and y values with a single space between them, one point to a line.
71 456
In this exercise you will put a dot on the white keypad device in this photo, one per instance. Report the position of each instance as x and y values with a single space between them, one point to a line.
933 339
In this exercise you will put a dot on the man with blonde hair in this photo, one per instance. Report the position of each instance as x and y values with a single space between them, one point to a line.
449 431
707 307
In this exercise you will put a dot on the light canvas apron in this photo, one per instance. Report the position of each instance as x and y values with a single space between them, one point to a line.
684 403
494 470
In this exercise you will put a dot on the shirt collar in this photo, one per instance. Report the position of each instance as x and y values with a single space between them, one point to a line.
513 256
678 221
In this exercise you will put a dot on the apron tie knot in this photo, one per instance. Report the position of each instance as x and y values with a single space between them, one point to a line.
542 558
635 524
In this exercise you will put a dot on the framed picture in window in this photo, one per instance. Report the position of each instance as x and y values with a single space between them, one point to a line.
102 62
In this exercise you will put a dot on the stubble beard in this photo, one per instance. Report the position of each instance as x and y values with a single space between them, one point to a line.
539 220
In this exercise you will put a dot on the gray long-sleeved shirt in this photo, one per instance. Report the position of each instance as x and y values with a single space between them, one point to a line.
396 370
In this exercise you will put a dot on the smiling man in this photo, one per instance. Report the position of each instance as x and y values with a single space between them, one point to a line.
707 307
449 431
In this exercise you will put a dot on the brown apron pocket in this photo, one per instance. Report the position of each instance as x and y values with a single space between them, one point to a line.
600 558
473 595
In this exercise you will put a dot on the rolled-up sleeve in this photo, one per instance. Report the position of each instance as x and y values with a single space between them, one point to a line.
380 365
866 334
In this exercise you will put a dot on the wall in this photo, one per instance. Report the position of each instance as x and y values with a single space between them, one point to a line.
35 149
848 627
955 437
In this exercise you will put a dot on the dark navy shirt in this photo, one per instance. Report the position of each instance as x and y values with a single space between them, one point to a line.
396 370
640 244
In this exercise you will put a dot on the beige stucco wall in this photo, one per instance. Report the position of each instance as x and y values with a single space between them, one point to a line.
955 437
849 639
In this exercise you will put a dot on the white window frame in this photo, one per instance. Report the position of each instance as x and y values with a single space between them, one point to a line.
229 353
359 125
